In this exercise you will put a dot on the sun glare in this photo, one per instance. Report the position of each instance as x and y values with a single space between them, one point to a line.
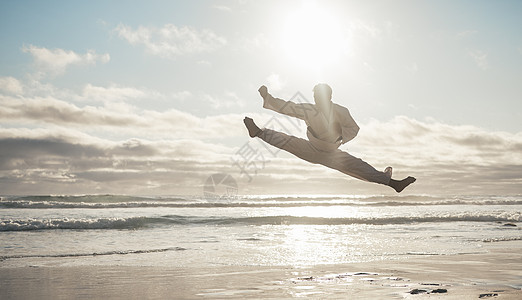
313 36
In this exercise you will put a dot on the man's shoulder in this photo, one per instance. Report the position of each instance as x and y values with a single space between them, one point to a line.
340 109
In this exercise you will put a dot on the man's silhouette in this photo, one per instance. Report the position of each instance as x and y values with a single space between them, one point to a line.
329 126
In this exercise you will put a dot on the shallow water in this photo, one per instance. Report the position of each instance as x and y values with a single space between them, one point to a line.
249 230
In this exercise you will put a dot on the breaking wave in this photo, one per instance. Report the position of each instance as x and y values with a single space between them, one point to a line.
502 239
114 201
140 222
101 223
115 252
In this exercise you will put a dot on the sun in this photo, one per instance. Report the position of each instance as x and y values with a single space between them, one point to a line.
313 36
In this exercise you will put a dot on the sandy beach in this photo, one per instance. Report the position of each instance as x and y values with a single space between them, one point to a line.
493 275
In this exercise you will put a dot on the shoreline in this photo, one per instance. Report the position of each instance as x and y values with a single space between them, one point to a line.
496 274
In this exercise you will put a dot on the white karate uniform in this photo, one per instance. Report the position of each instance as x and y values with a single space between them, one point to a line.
326 132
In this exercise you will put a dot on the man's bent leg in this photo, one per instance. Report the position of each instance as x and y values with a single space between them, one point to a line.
297 146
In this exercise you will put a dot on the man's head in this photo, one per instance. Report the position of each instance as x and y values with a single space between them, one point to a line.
322 93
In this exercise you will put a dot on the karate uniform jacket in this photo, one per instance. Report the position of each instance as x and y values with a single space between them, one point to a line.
326 130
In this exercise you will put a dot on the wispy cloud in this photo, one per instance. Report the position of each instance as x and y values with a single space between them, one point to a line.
275 82
254 43
56 61
171 41
480 58
111 93
466 33
227 100
223 8
413 68
53 111
11 85
368 29
122 117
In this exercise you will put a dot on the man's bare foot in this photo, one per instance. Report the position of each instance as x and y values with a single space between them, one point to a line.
253 130
388 171
398 186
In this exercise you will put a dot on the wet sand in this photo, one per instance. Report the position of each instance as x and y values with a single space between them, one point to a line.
493 275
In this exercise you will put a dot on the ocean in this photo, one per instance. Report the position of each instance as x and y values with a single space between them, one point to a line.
198 231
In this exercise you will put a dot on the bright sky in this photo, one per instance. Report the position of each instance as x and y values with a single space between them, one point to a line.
148 97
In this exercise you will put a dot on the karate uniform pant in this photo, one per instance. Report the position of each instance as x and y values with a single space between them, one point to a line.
336 159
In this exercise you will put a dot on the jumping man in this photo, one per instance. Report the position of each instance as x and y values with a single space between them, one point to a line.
329 126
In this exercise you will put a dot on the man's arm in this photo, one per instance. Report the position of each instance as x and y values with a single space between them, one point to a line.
289 108
349 128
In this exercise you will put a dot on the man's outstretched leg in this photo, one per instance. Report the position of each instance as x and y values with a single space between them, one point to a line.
356 167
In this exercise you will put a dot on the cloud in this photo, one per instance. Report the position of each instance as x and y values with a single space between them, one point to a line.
274 82
413 68
416 142
102 143
400 141
466 33
122 118
480 58
255 43
368 29
227 100
11 85
222 8
182 96
118 98
445 158
46 162
112 93
53 111
56 61
204 63
171 41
